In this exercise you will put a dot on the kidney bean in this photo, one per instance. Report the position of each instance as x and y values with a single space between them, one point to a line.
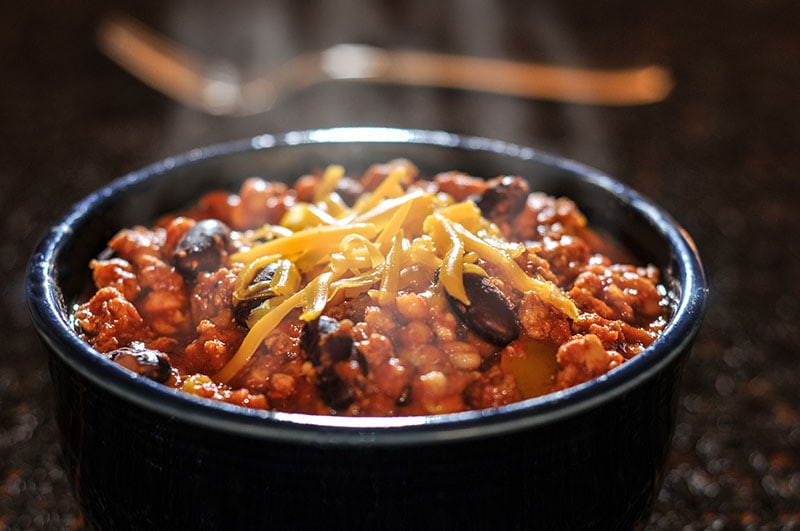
490 314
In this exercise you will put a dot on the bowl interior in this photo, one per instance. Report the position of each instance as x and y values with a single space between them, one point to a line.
60 276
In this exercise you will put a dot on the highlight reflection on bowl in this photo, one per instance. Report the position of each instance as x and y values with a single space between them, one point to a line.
191 462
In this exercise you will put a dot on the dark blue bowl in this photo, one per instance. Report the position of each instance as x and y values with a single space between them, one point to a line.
144 456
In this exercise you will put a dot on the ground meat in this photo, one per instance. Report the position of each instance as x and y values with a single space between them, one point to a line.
582 359
259 202
459 185
157 291
116 273
567 256
542 322
618 292
163 302
546 216
411 350
493 388
175 229
279 355
616 334
203 386
138 243
213 205
211 296
109 321
376 173
213 346
435 392
536 266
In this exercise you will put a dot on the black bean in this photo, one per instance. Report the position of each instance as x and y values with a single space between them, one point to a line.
505 198
349 190
490 314
202 248
323 344
150 363
334 391
242 309
313 331
327 345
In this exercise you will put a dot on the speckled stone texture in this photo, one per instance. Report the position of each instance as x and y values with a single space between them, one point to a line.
720 154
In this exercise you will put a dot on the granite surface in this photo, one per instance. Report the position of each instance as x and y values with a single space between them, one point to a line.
720 154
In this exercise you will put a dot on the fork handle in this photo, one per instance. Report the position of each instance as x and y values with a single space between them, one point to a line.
632 86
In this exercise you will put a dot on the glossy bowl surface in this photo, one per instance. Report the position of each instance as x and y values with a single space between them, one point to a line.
142 455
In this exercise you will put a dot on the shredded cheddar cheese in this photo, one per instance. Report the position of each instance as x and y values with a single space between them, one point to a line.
324 249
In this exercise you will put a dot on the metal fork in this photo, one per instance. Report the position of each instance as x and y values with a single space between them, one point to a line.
180 74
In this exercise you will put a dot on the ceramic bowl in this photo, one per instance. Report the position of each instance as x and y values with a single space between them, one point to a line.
144 456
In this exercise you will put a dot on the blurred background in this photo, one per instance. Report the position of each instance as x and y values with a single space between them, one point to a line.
719 153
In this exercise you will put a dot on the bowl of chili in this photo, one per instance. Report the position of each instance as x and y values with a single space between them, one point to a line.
145 454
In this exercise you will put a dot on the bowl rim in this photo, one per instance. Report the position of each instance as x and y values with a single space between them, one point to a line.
48 313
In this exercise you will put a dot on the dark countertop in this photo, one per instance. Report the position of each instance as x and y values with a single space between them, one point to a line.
720 154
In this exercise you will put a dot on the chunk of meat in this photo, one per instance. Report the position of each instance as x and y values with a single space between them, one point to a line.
493 388
109 321
116 273
436 392
627 293
348 189
213 346
176 229
259 202
582 359
536 266
212 295
460 185
203 386
137 243
541 321
164 302
376 173
546 215
627 339
280 353
160 296
566 255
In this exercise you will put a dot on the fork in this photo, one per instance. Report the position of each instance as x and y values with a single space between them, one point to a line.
223 90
